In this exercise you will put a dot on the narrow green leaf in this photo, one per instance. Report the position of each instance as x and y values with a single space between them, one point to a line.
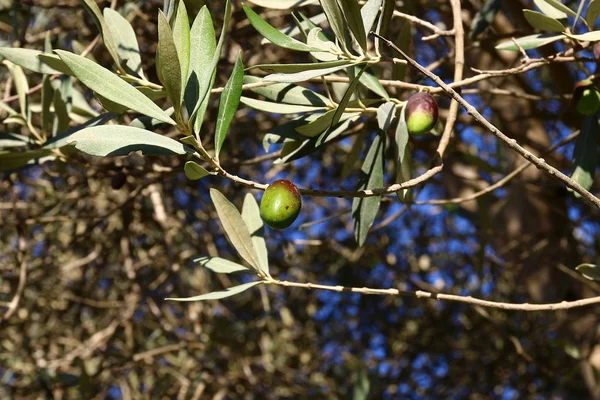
288 93
335 19
592 36
385 115
295 29
20 81
322 123
206 80
403 157
385 18
592 13
10 160
150 124
53 61
329 50
219 295
543 22
371 82
369 13
297 149
287 132
277 108
202 50
119 140
167 62
109 85
364 209
219 265
352 15
560 6
92 8
125 40
584 154
549 10
181 38
61 115
273 35
342 104
81 106
589 271
282 4
62 139
28 59
304 75
293 68
235 228
530 42
110 105
13 140
229 102
194 171
47 96
256 226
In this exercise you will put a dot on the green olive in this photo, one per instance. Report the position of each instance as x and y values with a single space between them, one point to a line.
281 204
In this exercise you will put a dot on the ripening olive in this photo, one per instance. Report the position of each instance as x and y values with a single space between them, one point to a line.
421 113
586 97
281 204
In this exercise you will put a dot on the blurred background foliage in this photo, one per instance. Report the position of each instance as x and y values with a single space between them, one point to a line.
104 240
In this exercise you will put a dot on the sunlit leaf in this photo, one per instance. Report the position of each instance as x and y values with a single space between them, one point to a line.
252 218
181 38
92 8
351 12
168 67
194 171
229 102
235 228
219 265
543 22
28 59
119 140
273 35
206 79
592 36
277 108
288 93
385 115
336 20
371 82
202 50
20 81
125 40
219 295
549 10
109 85
530 42
369 14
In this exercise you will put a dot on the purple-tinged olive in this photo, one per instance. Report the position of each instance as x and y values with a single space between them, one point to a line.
421 113
280 204
586 97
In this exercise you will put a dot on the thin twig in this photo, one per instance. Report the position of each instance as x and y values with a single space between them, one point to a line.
511 143
420 294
